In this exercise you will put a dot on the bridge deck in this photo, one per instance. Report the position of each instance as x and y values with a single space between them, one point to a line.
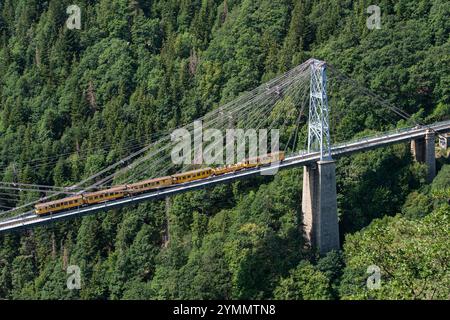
299 159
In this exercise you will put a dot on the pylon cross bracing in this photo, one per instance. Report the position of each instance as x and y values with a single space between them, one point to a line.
318 123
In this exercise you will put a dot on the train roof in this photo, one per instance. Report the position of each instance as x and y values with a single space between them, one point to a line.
151 180
113 189
191 172
77 197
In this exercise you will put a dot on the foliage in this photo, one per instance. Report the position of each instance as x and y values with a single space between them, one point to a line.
303 283
412 256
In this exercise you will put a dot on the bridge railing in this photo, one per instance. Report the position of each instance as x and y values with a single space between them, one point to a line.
385 134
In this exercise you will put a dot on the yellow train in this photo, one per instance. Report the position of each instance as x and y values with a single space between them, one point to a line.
121 191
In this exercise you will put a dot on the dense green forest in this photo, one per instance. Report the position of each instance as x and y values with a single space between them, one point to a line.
75 98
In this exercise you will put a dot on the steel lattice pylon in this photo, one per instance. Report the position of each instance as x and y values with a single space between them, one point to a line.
318 125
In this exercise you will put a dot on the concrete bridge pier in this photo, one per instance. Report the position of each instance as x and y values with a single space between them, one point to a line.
423 151
319 206
418 149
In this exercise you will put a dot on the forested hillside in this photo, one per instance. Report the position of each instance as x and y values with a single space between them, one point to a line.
74 101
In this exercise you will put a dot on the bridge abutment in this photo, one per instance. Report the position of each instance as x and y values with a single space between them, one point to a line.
319 206
424 151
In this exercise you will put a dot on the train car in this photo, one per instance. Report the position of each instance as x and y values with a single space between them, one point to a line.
271 157
150 184
249 163
262 160
105 195
192 175
224 170
58 205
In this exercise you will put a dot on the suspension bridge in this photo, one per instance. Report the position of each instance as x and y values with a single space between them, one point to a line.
280 103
